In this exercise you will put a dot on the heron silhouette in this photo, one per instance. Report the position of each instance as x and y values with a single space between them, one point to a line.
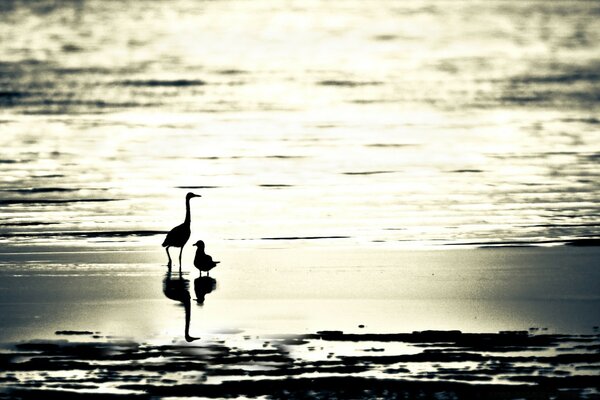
203 261
179 235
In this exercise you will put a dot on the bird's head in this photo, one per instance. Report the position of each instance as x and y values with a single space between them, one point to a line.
191 195
199 244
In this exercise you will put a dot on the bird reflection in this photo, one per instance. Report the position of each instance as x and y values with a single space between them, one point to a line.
203 285
177 289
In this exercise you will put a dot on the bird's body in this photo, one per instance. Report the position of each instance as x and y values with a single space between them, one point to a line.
203 261
179 235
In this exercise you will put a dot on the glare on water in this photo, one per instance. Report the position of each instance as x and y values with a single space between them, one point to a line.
350 129
414 122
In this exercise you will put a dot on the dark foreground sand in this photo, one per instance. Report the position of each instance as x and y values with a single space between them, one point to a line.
431 364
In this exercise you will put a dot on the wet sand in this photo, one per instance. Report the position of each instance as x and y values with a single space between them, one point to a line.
418 365
432 364
297 321
299 289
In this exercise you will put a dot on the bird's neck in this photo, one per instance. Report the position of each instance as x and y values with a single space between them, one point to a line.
187 212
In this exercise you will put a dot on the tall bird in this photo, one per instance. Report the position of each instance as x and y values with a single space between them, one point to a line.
179 235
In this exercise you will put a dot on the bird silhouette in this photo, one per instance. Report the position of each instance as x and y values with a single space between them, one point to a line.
203 261
179 235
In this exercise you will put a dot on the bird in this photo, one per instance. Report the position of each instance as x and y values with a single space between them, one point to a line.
203 261
179 235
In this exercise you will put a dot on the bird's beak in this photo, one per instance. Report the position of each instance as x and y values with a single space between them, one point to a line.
197 195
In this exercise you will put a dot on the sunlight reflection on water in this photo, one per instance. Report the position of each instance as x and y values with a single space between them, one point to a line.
459 122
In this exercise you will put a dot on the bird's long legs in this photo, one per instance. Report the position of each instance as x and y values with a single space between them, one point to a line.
168 255
180 251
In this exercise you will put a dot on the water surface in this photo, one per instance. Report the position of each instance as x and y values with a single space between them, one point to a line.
409 124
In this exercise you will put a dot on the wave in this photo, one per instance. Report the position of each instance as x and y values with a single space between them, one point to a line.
198 187
74 333
593 157
385 38
231 72
49 176
275 157
570 85
591 121
10 97
587 224
41 190
52 201
304 237
86 234
284 157
568 78
36 223
275 185
394 145
49 102
367 172
348 83
163 83
467 171
585 242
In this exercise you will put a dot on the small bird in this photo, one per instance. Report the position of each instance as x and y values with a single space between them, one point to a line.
203 261
179 235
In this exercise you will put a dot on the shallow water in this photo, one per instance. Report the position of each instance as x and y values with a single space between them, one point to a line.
262 292
412 124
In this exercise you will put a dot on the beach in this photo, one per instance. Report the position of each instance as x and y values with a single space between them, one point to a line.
402 196
302 291
298 322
